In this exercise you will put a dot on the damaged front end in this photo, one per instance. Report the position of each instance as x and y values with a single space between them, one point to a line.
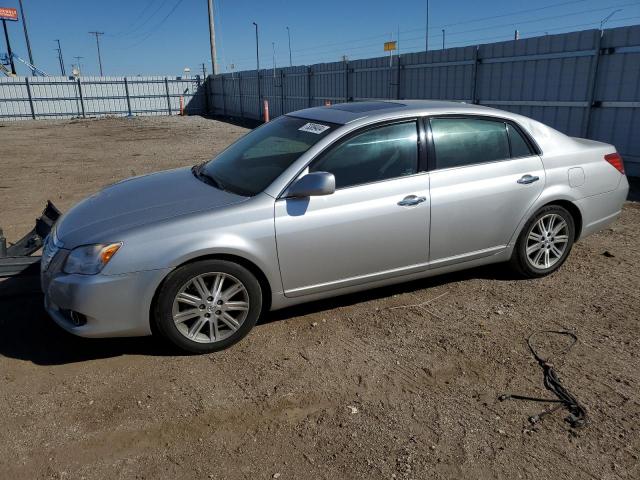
16 259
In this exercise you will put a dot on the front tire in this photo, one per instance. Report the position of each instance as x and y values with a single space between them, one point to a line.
207 306
544 243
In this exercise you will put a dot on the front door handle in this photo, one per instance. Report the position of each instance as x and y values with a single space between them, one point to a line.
411 200
527 179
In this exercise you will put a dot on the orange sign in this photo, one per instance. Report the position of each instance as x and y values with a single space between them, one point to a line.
389 46
8 14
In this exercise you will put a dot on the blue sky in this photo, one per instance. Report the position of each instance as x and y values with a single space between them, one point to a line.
164 36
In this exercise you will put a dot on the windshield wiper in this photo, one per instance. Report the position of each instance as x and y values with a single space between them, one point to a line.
205 177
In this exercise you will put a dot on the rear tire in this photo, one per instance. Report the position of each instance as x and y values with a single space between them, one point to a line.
208 306
544 242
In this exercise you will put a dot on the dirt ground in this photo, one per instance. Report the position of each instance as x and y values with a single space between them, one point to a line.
354 387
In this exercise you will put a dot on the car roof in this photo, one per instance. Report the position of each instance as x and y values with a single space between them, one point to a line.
343 113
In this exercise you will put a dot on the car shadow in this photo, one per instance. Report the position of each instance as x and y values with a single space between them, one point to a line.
27 333
491 272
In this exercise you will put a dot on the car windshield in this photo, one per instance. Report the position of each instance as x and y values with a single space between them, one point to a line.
252 163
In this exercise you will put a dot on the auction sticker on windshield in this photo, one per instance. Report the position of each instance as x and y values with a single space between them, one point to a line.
313 128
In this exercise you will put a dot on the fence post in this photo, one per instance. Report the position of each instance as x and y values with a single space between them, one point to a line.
126 91
259 95
398 70
593 80
309 73
282 112
346 80
26 82
240 95
81 98
205 86
166 86
474 87
224 98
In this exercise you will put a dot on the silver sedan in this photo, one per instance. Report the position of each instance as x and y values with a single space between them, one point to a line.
323 202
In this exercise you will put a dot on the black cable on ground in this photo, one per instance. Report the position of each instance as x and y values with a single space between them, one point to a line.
577 417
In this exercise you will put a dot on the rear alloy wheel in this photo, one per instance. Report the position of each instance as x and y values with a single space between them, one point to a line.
544 243
208 306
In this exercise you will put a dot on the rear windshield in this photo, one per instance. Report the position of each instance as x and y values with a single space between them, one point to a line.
252 163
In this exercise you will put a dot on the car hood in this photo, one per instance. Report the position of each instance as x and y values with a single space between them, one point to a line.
138 201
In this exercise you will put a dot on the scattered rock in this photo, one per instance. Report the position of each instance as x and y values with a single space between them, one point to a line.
353 409
608 254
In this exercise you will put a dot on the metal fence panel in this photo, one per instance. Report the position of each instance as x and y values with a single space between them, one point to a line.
64 97
581 83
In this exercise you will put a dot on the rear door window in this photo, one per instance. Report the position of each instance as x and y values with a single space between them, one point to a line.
467 141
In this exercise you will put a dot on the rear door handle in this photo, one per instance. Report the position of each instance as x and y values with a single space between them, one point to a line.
411 200
526 179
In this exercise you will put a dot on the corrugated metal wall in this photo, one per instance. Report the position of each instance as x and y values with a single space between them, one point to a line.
581 83
61 97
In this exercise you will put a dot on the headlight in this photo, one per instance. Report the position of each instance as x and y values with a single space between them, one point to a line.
90 259
50 248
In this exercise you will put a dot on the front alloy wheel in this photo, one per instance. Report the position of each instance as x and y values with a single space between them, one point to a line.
208 305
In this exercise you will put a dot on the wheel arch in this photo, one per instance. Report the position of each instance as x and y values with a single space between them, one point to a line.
573 209
246 263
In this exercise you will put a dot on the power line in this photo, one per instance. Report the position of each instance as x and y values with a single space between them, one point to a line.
132 32
370 46
437 27
130 26
434 36
530 10
507 36
156 26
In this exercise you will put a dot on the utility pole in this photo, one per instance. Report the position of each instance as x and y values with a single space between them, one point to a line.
9 52
26 37
79 64
606 19
97 34
289 35
443 38
204 71
516 35
212 38
426 38
60 59
258 68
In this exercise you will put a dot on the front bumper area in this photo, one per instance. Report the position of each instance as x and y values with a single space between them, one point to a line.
112 305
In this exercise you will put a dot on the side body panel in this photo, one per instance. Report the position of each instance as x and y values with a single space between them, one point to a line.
352 236
475 209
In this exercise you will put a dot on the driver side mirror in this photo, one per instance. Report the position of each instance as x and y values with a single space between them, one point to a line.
312 185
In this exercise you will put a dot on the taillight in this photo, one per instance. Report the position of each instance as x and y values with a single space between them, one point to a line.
616 160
